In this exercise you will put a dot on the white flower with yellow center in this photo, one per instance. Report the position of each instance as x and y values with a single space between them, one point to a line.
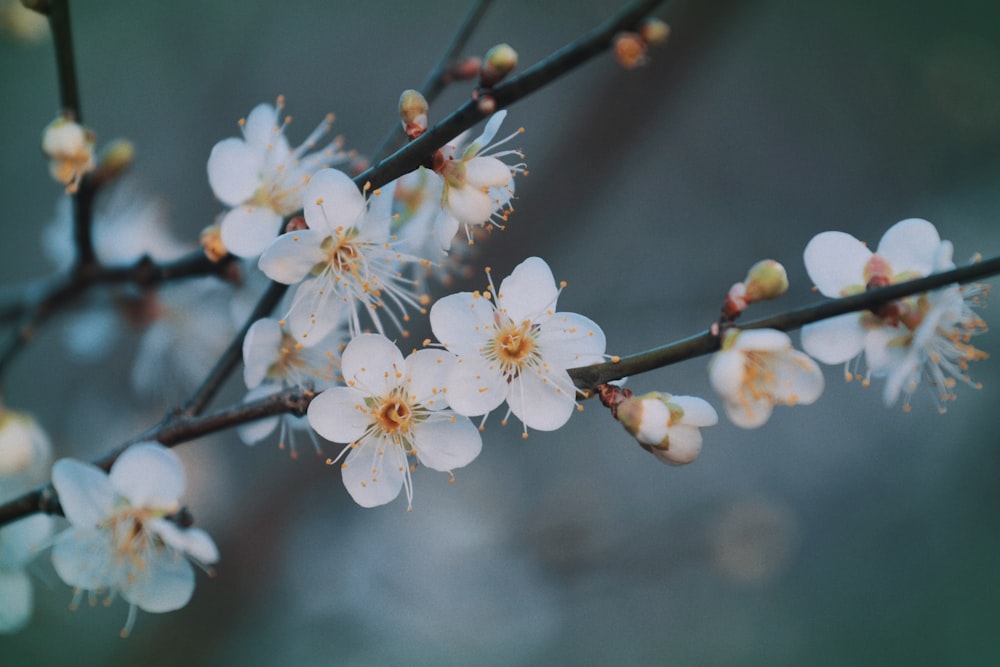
478 187
392 408
346 256
515 347
128 536
758 369
262 178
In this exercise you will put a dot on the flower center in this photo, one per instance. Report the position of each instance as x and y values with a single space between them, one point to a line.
342 254
513 345
394 416
129 537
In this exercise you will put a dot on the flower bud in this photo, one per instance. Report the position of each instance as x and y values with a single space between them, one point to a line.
630 50
116 157
211 243
654 31
667 426
25 452
765 280
413 110
70 148
497 64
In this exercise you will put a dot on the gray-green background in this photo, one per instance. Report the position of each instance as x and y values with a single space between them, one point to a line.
841 533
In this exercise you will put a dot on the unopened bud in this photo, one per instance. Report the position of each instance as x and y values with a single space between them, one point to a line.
486 104
25 450
70 148
654 31
765 280
116 157
465 69
211 243
667 426
413 110
630 50
497 64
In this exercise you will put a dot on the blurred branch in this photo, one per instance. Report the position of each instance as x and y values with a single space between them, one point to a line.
180 427
438 77
38 302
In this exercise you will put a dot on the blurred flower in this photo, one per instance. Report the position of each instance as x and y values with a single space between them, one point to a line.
669 427
21 23
25 452
391 408
125 537
478 188
840 265
344 256
262 178
19 544
516 349
758 369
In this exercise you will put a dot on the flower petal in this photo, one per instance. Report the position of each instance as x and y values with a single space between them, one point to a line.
260 350
426 373
529 291
148 475
247 231
474 387
446 441
684 447
835 261
166 583
20 541
910 245
291 257
462 322
339 414
18 601
798 379
234 171
486 172
332 201
85 492
489 131
543 400
83 558
697 411
445 227
373 363
469 204
373 472
194 542
836 340
261 126
749 414
569 340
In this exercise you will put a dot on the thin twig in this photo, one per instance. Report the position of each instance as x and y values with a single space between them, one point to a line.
437 78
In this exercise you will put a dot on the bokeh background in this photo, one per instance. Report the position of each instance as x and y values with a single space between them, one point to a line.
840 533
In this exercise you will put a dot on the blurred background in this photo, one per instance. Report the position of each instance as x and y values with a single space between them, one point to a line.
838 533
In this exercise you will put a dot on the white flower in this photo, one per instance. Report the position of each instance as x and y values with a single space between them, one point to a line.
516 347
273 360
345 256
478 188
667 426
19 543
391 408
933 340
840 265
25 452
125 537
262 178
70 148
758 369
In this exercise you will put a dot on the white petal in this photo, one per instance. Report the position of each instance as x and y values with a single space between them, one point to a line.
798 379
166 583
194 542
445 227
233 171
470 205
426 373
727 372
752 414
317 312
910 245
489 131
836 340
148 475
260 350
529 291
20 541
486 172
261 126
697 411
374 472
18 601
83 558
462 322
654 422
247 231
685 445
882 348
339 414
569 340
542 400
254 432
373 364
291 257
446 441
474 387
762 340
85 492
331 201
834 261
